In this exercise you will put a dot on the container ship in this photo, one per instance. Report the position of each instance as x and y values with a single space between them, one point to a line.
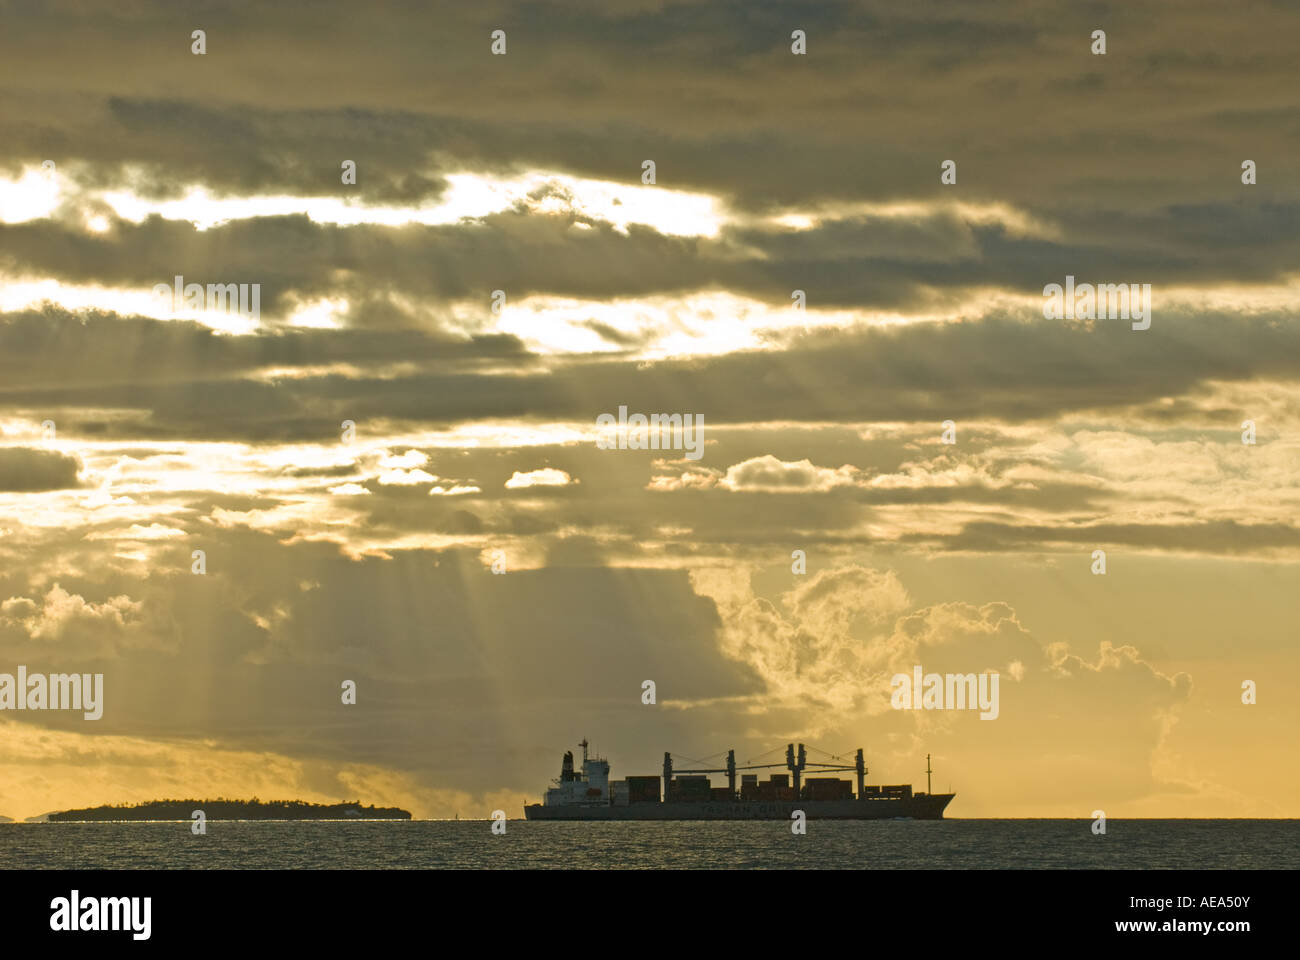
588 794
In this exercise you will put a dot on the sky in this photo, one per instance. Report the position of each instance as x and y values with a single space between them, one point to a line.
395 468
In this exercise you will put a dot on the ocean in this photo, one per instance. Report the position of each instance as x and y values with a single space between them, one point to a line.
740 845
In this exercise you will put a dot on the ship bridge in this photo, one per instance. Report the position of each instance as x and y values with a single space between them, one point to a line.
590 785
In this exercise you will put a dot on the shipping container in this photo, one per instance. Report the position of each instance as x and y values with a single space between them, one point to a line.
643 789
690 788
828 788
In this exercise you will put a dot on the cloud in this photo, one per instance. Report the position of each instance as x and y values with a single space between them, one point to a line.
407 460
545 477
68 622
832 644
770 475
405 478
28 469
455 490
349 490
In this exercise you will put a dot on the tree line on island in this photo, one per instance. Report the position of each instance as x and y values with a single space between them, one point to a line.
224 809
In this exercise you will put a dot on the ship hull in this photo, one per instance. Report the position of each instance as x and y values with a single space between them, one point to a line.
920 807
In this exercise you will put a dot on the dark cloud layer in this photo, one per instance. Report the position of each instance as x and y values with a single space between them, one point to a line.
861 262
23 469
1009 89
190 383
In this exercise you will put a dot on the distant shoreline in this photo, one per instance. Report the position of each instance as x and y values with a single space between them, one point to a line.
223 809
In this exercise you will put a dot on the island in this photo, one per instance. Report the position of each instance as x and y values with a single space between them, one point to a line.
223 809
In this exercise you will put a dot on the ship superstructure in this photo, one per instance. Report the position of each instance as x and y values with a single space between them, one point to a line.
588 786
688 794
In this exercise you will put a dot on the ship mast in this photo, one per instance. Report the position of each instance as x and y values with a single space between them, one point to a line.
928 788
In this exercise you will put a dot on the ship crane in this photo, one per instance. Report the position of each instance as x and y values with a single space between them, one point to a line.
794 765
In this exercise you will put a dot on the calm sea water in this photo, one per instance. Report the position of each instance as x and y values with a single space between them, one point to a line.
426 844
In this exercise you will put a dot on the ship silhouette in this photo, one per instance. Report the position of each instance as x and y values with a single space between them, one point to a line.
588 794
